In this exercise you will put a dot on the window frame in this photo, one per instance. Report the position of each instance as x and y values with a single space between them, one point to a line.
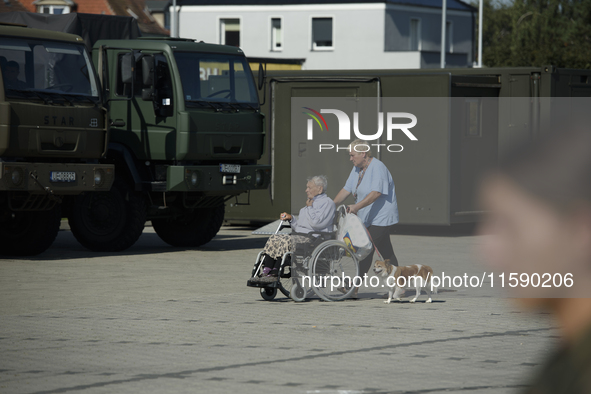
221 29
419 35
313 46
33 65
274 47
51 8
449 34
231 58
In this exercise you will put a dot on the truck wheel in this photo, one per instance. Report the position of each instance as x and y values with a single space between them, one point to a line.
28 233
194 229
108 221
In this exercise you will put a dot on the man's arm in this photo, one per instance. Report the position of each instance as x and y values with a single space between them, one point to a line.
342 196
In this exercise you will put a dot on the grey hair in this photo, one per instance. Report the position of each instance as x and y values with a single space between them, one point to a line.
319 180
353 145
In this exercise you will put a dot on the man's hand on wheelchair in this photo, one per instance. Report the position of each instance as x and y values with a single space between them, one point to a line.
285 216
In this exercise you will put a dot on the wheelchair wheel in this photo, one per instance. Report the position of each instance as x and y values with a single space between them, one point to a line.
298 293
333 258
285 282
268 293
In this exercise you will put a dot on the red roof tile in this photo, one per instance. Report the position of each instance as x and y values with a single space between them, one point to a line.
134 8
11 6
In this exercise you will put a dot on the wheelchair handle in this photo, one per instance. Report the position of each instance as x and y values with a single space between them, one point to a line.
281 225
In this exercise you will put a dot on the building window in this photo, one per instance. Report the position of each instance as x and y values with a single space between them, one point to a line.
53 9
276 35
449 37
322 33
230 32
415 34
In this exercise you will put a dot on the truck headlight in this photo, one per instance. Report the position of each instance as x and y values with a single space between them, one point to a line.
17 176
260 177
194 178
99 176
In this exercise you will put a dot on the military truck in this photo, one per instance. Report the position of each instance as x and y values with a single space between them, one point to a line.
187 133
53 130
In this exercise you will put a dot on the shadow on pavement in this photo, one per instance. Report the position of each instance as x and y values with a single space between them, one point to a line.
455 230
66 247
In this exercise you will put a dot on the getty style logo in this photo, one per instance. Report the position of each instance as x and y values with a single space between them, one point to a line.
344 131
314 116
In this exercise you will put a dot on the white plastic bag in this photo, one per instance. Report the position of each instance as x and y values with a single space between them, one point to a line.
354 234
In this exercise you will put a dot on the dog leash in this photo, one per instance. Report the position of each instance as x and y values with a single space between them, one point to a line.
374 245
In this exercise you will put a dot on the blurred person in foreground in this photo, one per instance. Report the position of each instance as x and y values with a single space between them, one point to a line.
539 221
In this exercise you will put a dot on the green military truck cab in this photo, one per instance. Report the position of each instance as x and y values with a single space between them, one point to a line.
187 133
53 130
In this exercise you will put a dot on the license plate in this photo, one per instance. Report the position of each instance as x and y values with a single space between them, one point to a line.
230 168
62 176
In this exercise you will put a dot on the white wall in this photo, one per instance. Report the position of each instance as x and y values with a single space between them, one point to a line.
358 33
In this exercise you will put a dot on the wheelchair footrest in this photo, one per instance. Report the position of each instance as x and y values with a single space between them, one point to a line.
255 283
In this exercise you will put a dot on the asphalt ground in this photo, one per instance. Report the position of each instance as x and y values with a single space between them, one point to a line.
157 319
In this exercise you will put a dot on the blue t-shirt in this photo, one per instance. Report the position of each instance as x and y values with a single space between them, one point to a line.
384 211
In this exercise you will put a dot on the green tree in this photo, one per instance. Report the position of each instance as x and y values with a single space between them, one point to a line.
537 32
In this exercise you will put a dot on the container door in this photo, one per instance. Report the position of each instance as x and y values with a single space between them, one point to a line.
516 112
474 136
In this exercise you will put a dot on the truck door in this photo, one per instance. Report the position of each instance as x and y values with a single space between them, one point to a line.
150 126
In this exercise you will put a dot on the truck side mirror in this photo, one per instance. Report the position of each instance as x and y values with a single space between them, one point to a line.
127 63
148 94
262 80
148 70
262 76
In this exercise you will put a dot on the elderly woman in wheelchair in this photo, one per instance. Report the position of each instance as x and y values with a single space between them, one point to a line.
316 217
306 258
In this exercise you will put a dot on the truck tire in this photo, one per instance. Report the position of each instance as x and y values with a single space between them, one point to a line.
28 233
194 229
108 221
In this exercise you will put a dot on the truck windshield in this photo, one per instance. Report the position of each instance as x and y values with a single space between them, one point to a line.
216 78
38 68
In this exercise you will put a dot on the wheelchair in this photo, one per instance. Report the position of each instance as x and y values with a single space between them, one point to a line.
324 266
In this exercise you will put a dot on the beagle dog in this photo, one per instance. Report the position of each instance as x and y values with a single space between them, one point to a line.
398 278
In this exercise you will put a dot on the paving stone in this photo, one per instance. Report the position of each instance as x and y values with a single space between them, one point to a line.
157 319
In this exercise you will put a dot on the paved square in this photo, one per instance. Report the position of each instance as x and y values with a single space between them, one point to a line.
155 319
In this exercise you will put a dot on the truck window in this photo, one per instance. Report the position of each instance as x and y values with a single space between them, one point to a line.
54 68
163 86
219 78
160 91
